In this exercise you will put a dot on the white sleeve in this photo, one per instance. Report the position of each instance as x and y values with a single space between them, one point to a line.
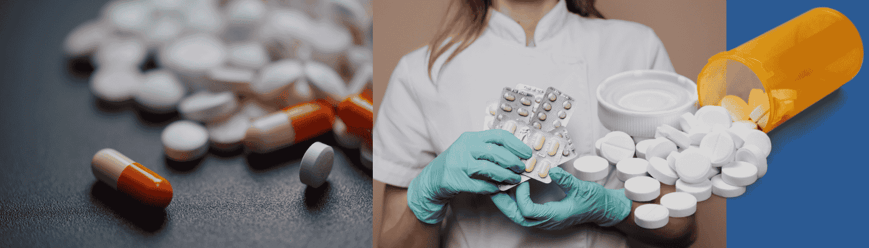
658 57
402 146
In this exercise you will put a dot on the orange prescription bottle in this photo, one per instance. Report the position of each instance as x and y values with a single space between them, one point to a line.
795 65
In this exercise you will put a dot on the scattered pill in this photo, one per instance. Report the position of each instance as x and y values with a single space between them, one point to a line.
739 173
719 147
678 137
327 80
737 107
234 79
289 126
228 134
752 155
757 98
84 39
651 216
591 168
660 148
713 171
713 115
723 189
206 106
759 139
115 84
131 178
642 189
631 167
671 160
316 164
680 204
128 16
275 77
193 55
250 55
692 166
642 146
160 92
617 146
659 169
701 190
687 121
184 140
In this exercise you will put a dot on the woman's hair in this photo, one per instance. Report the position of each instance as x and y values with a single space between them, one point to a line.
469 20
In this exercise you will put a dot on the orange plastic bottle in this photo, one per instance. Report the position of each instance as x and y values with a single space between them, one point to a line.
795 64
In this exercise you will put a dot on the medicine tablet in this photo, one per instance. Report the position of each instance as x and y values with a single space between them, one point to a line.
206 106
660 148
751 154
671 160
275 77
185 140
115 84
713 115
737 107
678 137
228 134
160 92
659 169
316 164
545 171
164 29
193 54
631 167
723 189
702 190
651 216
234 79
597 145
251 55
86 37
687 121
120 52
326 79
617 146
343 137
719 147
759 139
699 132
591 168
692 166
254 109
642 189
680 204
739 173
734 135
642 146
128 16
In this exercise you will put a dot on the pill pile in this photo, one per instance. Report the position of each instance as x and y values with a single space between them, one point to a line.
242 74
711 152
537 117
757 110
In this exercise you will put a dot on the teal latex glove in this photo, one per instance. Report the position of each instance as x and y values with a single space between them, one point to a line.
585 202
471 164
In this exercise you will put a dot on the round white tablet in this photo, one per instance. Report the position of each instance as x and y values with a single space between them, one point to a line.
631 167
250 55
617 146
129 16
225 78
739 173
659 169
719 147
120 52
165 29
752 155
642 146
597 145
671 160
714 115
701 190
273 78
642 189
680 204
86 37
660 148
681 139
651 216
184 140
692 166
723 189
228 134
316 164
759 139
366 155
734 135
344 138
687 121
206 106
591 168
115 84
326 80
160 92
698 132
193 54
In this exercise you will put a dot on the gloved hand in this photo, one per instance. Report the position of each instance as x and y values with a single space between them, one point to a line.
585 202
471 164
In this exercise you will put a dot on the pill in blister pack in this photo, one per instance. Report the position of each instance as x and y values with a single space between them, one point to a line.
512 108
569 152
537 94
553 111
547 149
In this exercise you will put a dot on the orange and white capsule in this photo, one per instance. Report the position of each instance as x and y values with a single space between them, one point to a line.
357 112
289 126
131 178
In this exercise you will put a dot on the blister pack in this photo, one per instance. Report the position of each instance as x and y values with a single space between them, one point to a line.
513 106
569 152
553 111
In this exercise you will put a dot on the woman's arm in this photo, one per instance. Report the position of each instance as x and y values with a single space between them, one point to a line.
400 227
679 232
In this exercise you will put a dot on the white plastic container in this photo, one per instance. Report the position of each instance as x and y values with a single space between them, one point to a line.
637 102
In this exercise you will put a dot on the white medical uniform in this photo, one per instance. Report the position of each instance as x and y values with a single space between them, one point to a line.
421 117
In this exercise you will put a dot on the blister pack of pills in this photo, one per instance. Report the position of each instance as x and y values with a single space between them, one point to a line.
553 110
514 108
568 152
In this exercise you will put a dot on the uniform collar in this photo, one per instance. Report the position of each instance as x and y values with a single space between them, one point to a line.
505 27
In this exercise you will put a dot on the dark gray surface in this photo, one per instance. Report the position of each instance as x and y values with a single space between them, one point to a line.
52 126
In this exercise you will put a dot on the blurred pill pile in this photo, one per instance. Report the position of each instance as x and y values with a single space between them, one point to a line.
256 75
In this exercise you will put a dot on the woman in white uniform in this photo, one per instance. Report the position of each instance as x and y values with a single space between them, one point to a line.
441 169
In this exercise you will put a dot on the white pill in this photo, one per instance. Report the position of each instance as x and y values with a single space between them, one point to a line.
713 172
344 138
204 16
659 169
739 173
328 38
326 80
299 92
275 77
734 135
316 164
250 55
631 167
719 147
254 109
698 132
591 168
680 204
184 140
642 146
597 145
671 160
642 189
160 92
714 115
651 216
752 155
129 16
687 122
701 190
759 139
166 28
193 54
206 106
660 148
115 84
86 37
617 146
723 189
228 134
678 137
231 78
692 166
245 12
120 52
366 155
